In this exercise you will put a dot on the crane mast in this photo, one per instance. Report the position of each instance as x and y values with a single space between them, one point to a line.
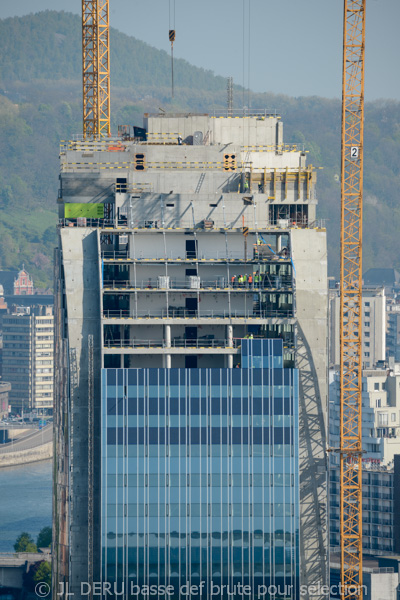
350 300
96 68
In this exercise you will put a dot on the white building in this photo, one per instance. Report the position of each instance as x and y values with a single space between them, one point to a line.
381 442
373 327
28 358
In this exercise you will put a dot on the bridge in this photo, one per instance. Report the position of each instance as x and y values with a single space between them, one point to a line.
36 438
36 446
18 425
14 565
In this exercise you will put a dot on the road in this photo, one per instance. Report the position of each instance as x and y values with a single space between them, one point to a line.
32 440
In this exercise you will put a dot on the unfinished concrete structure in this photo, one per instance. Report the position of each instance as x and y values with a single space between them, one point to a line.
173 247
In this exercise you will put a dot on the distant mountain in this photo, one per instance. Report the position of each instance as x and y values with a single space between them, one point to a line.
47 45
40 104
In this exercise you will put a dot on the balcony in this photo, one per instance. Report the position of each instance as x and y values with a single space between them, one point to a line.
177 346
219 256
183 313
220 284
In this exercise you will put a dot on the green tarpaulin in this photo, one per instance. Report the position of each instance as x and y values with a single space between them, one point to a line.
91 211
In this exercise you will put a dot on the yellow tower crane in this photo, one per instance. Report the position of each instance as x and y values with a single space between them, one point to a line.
350 300
96 68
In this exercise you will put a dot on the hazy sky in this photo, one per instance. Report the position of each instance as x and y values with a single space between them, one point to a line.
295 45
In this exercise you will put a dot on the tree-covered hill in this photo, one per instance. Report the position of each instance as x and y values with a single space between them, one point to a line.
40 104
47 45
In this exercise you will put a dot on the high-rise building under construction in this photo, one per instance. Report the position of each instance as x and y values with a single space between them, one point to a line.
191 374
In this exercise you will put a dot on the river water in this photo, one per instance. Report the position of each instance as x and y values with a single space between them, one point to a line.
25 501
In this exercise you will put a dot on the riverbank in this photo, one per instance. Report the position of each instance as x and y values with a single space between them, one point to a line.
26 501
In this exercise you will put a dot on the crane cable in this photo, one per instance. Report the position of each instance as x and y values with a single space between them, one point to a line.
248 48
171 36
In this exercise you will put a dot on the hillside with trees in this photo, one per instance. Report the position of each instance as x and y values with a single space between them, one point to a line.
40 104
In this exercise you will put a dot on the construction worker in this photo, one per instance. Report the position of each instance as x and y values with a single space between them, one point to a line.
240 280
250 281
233 280
244 280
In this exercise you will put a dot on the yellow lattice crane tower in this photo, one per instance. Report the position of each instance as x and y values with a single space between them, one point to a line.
96 68
350 300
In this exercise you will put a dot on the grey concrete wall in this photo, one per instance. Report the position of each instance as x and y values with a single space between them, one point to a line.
225 210
310 261
380 586
251 130
80 251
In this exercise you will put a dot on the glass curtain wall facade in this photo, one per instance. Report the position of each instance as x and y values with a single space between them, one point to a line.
200 479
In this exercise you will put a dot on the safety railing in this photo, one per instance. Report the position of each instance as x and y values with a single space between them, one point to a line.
126 223
183 313
297 224
267 285
175 343
245 112
275 148
234 256
78 144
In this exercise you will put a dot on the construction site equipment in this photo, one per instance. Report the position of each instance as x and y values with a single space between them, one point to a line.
171 37
230 96
350 300
96 68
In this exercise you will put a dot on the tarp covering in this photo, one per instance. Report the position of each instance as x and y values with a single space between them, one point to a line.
91 211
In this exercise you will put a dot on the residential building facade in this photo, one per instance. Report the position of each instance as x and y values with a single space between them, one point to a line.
28 358
373 327
381 443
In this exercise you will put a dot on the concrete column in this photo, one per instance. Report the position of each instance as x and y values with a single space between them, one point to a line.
131 304
279 243
167 342
229 335
167 336
229 338
122 361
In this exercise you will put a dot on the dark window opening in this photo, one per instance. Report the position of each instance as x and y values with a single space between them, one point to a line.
191 306
190 362
190 333
191 248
